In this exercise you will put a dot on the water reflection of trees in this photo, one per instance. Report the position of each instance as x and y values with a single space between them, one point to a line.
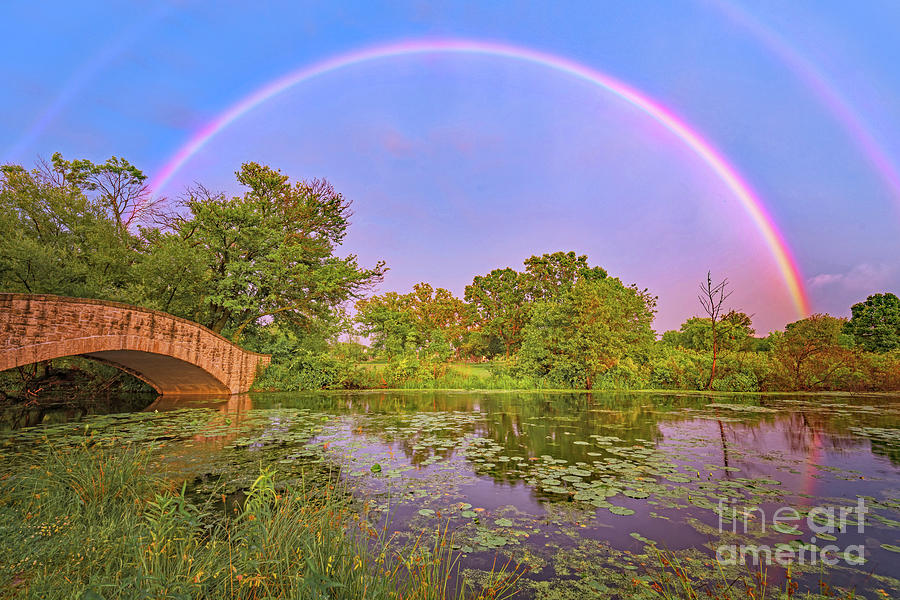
807 432
18 416
527 425
534 424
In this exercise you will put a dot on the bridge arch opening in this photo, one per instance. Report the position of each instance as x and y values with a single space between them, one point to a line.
165 374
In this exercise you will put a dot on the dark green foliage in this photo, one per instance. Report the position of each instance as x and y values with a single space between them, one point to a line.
74 228
501 301
261 264
268 253
875 324
551 276
308 370
409 368
116 185
55 240
498 301
426 322
734 332
813 354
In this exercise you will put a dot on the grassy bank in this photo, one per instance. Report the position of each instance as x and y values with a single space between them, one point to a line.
96 524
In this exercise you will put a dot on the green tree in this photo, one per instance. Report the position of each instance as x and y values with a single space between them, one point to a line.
56 240
116 185
389 323
812 354
269 252
595 327
499 306
671 338
550 276
733 331
875 323
426 320
442 318
170 275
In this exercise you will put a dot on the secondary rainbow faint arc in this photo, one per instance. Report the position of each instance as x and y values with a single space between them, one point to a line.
751 203
825 91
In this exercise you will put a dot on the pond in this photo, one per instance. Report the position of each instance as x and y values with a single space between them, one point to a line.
590 494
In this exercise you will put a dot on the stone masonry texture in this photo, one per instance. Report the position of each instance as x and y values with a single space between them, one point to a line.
174 355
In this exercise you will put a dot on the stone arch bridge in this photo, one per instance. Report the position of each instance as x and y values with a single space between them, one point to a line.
174 355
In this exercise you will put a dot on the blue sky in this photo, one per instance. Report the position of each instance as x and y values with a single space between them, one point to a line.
460 164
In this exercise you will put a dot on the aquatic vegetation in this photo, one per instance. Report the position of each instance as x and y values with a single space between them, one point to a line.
559 484
741 407
131 536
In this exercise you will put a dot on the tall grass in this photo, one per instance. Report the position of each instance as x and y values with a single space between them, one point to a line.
673 580
94 524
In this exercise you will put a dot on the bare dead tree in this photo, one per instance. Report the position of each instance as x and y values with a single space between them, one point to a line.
712 299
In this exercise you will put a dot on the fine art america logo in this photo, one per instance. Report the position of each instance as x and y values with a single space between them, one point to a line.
822 521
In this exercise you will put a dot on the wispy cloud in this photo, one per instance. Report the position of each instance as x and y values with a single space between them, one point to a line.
862 277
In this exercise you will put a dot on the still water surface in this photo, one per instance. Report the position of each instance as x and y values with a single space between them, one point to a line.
579 489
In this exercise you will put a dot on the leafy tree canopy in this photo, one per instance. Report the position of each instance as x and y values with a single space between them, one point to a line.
593 328
267 253
56 240
498 301
734 332
875 323
83 229
117 185
550 276
812 352
426 319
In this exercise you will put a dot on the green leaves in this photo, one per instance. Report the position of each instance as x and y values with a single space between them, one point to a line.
54 239
428 323
498 301
597 327
269 252
875 324
68 228
811 353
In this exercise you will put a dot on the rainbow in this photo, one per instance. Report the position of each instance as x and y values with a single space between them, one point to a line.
823 89
749 201
86 72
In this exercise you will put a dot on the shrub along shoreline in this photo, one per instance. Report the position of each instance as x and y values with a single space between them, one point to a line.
672 370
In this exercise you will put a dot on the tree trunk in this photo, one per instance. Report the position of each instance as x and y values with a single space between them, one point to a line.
715 352
219 324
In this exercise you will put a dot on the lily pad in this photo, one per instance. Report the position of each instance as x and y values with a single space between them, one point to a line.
620 510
